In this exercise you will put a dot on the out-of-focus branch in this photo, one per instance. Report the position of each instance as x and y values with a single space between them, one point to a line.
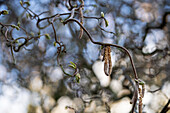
166 108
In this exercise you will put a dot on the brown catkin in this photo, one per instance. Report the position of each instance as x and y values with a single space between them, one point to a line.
110 61
140 99
81 19
143 90
105 60
140 104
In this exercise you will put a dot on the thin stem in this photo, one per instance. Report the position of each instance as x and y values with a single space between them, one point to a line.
55 35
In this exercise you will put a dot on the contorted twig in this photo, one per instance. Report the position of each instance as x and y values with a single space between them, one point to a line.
61 48
104 44
114 45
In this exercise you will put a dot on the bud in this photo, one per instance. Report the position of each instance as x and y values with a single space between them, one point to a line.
106 23
4 12
18 24
14 26
102 14
73 65
28 15
16 41
39 33
32 33
54 44
78 77
28 3
21 2
47 36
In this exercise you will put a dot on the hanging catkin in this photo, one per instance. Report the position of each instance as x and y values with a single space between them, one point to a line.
110 61
107 60
81 18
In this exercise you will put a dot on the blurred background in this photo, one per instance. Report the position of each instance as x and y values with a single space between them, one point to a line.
37 84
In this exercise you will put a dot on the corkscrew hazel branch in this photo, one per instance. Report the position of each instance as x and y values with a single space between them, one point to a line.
61 47
104 44
117 46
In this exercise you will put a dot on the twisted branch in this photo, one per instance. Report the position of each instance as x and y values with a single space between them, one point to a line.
135 96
